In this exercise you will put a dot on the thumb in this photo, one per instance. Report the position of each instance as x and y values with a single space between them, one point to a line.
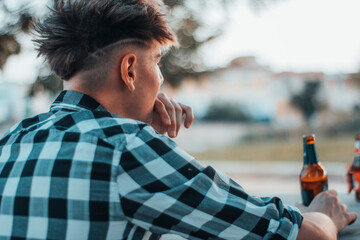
349 188
332 192
349 179
352 218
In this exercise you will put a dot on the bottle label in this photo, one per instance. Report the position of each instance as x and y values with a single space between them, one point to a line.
310 190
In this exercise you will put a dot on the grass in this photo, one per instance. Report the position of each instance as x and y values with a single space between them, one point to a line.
339 149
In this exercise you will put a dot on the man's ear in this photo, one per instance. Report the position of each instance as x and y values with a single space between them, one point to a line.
127 69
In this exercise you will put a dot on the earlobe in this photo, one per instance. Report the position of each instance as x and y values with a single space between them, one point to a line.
128 71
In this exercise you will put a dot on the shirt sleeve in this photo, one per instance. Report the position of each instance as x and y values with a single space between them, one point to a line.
165 190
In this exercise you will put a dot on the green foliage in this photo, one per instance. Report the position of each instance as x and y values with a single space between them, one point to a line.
187 20
48 82
8 46
13 22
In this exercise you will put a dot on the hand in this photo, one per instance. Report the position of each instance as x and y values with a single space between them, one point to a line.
168 114
328 203
349 179
317 226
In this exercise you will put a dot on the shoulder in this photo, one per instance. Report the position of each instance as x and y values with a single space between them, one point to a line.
101 124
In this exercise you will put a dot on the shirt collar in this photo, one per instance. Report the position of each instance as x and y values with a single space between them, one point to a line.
76 101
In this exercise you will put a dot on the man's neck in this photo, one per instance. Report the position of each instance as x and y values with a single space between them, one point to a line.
118 102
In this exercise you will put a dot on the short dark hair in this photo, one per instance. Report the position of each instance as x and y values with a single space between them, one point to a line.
74 29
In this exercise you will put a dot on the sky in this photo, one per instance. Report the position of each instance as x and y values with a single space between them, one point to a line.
292 35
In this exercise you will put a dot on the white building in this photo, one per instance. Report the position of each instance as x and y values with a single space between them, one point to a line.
263 94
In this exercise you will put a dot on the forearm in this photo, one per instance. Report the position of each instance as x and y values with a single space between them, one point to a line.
180 196
317 225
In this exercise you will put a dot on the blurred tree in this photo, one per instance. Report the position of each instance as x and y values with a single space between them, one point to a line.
188 21
8 46
226 112
190 25
46 81
11 23
307 101
355 80
187 18
17 20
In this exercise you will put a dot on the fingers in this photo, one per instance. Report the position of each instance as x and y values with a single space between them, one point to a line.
189 115
327 202
349 179
344 207
332 192
171 113
327 194
178 117
161 110
352 218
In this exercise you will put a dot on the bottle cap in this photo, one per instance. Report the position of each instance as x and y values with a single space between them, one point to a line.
309 139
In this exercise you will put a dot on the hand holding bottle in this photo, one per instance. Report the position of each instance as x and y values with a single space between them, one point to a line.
328 203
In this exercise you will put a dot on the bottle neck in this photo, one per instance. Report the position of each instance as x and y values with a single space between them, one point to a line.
310 155
357 147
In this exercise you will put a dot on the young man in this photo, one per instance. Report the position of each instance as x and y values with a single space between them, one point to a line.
94 167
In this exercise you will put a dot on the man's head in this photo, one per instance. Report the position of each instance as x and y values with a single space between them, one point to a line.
82 35
107 49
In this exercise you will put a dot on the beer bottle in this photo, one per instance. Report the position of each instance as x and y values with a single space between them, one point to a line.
355 168
313 177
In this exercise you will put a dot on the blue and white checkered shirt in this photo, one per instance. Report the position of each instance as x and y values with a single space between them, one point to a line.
81 172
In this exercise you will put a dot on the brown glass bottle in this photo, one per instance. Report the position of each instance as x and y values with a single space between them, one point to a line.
313 177
355 168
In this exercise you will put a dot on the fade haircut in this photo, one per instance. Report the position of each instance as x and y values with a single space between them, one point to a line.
76 30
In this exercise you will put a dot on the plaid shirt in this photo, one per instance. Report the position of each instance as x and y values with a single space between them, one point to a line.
80 172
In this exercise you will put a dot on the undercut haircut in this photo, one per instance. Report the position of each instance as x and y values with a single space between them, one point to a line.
76 31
